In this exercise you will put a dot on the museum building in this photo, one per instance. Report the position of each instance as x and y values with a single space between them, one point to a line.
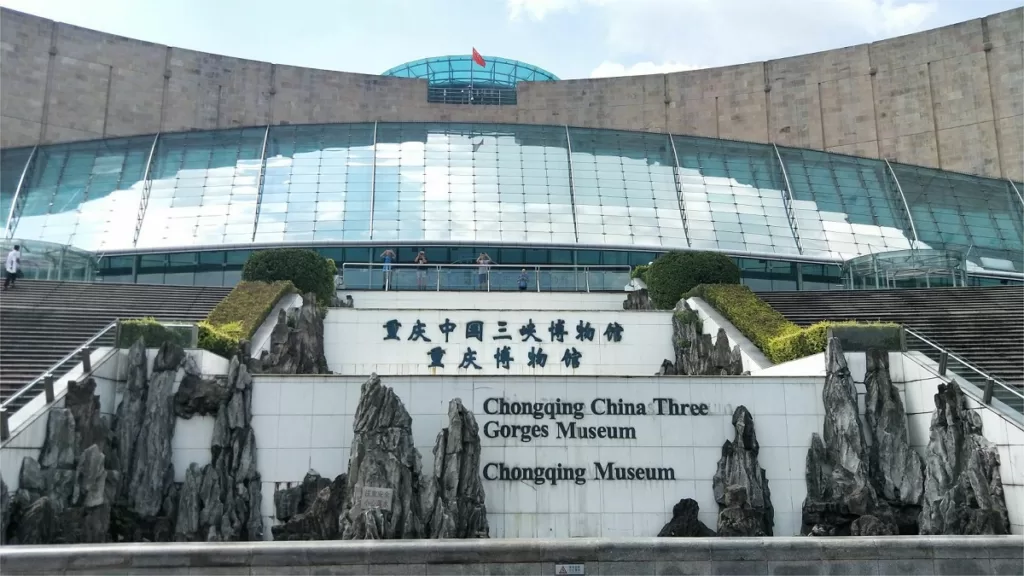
185 202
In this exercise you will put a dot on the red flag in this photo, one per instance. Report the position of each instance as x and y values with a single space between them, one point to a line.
479 59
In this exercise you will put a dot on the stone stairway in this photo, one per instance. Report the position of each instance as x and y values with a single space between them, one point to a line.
984 326
43 321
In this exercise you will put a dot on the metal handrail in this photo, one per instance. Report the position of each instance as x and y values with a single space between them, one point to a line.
988 377
490 268
49 371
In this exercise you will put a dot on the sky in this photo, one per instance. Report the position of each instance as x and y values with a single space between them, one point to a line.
570 38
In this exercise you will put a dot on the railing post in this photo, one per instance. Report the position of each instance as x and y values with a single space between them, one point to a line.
5 428
943 361
989 386
536 276
438 279
86 360
48 388
586 276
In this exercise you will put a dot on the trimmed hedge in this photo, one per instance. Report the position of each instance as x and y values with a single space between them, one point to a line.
306 269
248 305
779 339
154 333
676 273
221 340
234 319
239 314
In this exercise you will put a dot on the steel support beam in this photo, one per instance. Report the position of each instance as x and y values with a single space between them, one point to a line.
910 217
12 222
259 181
1019 197
572 185
147 187
373 177
788 199
679 189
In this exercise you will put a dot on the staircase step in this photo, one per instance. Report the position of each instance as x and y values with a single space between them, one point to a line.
42 321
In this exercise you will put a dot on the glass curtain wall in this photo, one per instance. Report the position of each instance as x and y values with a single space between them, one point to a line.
486 185
466 182
204 189
317 184
844 206
978 217
733 196
85 194
625 191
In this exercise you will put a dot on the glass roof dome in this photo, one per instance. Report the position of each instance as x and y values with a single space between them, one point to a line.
460 71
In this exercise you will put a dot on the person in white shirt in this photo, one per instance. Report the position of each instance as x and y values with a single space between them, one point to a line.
12 266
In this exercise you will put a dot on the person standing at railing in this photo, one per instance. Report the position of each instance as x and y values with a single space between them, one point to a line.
484 262
12 267
388 257
524 280
421 270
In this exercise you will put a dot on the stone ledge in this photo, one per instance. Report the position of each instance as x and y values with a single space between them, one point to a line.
494 556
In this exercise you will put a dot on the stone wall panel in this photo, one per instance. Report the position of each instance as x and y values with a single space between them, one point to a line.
927 82
24 57
970 148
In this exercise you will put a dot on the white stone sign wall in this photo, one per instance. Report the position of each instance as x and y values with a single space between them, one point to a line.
497 342
561 457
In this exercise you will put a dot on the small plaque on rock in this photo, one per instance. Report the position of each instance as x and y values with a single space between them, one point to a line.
373 497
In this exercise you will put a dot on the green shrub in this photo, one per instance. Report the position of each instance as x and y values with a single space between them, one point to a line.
221 340
154 333
248 305
306 269
779 339
640 271
676 273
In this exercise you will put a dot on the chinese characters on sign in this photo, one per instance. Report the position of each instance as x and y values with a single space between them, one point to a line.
503 354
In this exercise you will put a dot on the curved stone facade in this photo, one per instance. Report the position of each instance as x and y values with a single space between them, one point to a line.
947 98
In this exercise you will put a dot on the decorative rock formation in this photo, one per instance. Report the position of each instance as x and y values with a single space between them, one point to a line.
740 484
384 482
839 489
638 298
67 499
684 522
667 369
738 517
5 511
289 502
454 497
871 526
696 354
59 445
321 513
197 395
896 470
229 493
130 414
297 342
73 496
152 453
963 491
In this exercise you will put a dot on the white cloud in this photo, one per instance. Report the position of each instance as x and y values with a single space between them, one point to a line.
722 32
539 9
610 69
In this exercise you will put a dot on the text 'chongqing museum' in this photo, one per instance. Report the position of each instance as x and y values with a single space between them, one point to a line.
892 164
